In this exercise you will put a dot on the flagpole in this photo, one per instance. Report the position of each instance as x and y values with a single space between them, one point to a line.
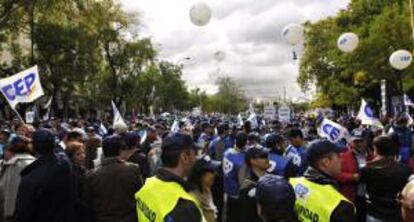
18 114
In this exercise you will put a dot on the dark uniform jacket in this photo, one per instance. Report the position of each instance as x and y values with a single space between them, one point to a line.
46 191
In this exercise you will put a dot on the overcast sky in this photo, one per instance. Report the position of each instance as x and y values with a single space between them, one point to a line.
247 31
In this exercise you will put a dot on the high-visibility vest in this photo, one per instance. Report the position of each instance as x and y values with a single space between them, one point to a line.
315 202
157 198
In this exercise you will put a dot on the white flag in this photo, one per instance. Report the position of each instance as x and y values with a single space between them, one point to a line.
175 128
240 120
391 130
47 105
117 116
409 118
23 87
332 130
251 107
407 101
366 115
253 120
102 130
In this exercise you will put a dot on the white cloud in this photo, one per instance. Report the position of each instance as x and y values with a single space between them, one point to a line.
248 31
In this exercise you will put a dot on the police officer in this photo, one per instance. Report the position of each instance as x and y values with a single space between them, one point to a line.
233 163
317 198
279 165
165 197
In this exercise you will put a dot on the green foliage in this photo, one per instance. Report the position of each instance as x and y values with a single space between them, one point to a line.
85 60
229 99
383 26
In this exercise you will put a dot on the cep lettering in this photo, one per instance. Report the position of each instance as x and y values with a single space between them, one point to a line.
20 87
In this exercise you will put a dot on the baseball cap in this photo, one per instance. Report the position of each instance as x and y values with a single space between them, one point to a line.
222 128
17 140
320 148
254 153
253 136
276 192
208 164
273 138
205 125
358 134
5 131
131 139
178 142
43 135
112 145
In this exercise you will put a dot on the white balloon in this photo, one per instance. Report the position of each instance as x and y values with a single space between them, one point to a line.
348 42
293 33
401 59
200 14
219 56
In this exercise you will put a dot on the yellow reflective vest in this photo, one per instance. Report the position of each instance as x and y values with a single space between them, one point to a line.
315 202
157 198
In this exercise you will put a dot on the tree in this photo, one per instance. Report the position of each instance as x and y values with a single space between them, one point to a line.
229 98
382 26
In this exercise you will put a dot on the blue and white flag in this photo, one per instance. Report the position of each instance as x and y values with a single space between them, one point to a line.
332 131
391 130
253 120
366 115
23 87
407 101
102 130
251 107
240 120
175 128
118 120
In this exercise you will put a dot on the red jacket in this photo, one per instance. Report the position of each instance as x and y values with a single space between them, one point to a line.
348 186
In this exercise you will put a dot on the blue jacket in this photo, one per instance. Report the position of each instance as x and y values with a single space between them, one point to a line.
46 191
405 139
299 157
229 141
280 165
404 136
232 163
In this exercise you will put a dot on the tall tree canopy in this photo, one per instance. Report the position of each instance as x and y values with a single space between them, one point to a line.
88 56
383 26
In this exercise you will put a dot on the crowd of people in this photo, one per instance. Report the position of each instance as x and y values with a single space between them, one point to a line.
210 168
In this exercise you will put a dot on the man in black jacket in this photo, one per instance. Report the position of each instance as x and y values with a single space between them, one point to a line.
257 162
46 191
317 187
